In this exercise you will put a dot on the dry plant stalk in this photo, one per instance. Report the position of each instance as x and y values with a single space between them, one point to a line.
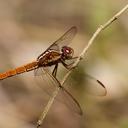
97 32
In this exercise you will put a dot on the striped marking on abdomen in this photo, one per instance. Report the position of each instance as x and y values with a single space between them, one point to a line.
25 68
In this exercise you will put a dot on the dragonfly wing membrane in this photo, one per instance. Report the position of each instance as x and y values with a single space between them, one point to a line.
69 101
94 86
67 37
43 81
62 41
65 97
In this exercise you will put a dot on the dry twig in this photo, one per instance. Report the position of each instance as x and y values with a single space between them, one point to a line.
100 28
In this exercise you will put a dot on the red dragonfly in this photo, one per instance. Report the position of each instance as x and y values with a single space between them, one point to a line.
58 52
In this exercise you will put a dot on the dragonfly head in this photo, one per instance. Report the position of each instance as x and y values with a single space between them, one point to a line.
67 52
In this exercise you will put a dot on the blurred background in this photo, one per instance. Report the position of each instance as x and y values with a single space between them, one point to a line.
28 27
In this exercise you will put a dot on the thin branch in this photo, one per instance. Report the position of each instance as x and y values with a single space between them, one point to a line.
100 28
48 106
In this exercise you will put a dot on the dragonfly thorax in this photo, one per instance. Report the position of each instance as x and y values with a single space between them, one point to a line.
67 52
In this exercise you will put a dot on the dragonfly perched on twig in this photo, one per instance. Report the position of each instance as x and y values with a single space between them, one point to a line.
58 52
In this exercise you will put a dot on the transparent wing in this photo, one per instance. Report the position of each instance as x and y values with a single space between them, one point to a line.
50 85
87 83
69 101
54 47
67 37
43 81
94 86
64 40
66 97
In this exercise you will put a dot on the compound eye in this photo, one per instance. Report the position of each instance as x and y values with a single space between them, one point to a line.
67 51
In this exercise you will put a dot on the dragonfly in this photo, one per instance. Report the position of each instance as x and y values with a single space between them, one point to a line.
58 52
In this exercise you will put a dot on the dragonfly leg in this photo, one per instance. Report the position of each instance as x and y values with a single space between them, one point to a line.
54 72
73 58
69 66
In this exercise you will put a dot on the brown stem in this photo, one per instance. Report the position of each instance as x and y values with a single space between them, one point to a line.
100 28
